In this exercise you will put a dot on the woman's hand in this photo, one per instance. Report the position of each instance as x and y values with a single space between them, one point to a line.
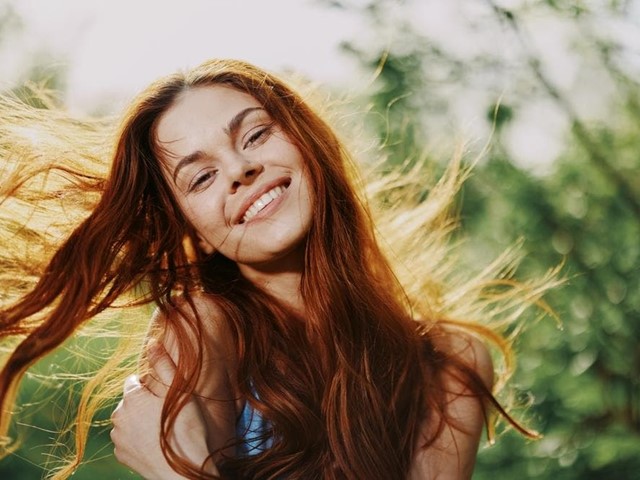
136 423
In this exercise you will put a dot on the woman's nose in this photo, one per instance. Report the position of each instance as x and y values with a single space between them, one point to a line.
244 172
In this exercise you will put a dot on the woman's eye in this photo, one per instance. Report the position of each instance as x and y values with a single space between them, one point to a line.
201 180
259 136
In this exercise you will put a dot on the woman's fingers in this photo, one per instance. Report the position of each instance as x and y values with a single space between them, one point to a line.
138 421
131 383
116 412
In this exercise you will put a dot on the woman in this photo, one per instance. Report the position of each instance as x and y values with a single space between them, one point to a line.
283 346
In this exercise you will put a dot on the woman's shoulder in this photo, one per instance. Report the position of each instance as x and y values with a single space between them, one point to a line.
470 350
198 322
462 346
452 454
200 306
203 303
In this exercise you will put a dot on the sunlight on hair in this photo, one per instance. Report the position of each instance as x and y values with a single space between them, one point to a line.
54 168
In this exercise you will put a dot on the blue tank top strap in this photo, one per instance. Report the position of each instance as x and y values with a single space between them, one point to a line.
253 431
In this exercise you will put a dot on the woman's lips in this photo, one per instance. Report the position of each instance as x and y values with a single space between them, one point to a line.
258 202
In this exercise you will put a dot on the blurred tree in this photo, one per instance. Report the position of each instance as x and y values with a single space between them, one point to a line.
41 73
9 20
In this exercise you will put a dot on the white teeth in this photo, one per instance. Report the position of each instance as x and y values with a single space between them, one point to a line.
264 200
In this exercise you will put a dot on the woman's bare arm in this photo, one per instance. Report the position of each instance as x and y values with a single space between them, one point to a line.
136 424
214 391
206 423
452 456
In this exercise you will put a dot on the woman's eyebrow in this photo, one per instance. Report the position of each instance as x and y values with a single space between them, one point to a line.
236 121
191 158
230 129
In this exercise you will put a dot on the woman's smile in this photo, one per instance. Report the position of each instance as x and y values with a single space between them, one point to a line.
258 207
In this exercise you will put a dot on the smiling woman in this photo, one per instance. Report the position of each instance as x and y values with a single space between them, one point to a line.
285 344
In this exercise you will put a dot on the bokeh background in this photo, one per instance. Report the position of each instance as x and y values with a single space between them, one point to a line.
552 84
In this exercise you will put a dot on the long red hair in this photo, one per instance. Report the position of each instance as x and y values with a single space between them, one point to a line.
346 389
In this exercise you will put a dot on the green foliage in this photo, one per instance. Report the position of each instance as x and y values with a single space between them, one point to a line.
395 117
584 378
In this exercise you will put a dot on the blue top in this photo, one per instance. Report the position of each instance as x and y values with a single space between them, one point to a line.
254 431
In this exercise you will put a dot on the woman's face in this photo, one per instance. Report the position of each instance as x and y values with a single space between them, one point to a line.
236 175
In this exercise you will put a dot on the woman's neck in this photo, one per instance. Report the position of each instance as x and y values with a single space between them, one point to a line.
280 279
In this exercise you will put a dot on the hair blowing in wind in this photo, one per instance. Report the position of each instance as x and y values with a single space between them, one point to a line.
91 231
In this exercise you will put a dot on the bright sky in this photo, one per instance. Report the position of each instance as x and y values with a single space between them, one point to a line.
113 48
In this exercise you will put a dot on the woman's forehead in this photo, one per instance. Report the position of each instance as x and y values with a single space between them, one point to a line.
200 108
